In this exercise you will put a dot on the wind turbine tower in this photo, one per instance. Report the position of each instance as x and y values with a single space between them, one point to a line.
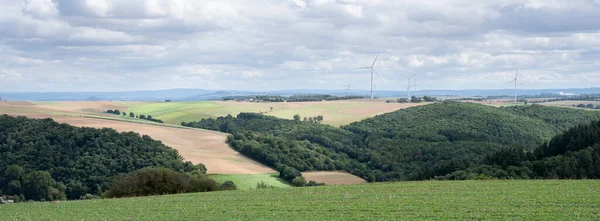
408 85
372 70
348 86
515 80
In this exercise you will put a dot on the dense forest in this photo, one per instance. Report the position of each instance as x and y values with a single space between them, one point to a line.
417 143
573 154
41 159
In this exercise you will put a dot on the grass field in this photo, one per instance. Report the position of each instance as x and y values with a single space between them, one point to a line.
334 112
249 181
426 200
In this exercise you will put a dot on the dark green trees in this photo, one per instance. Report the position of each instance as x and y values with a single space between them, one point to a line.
79 161
410 144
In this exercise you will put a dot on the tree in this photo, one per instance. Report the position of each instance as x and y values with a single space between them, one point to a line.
124 114
131 114
110 111
117 112
142 116
13 172
590 106
597 107
39 185
149 117
228 185
271 108
299 181
581 105
429 99
296 117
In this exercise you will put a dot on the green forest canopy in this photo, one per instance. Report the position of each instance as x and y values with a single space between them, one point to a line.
411 144
44 160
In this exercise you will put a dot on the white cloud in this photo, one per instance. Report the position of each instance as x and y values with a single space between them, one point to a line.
295 44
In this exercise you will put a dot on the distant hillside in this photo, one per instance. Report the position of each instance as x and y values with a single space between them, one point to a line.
201 94
410 144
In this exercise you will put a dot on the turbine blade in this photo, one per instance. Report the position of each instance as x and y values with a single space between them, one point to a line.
363 67
375 60
377 74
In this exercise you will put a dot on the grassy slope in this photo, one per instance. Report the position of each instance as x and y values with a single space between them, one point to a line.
176 112
249 181
508 200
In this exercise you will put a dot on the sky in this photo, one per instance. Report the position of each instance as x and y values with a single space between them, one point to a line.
118 45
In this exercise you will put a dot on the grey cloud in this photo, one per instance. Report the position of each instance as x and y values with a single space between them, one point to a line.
116 45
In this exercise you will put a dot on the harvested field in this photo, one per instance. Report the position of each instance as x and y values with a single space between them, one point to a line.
197 146
332 177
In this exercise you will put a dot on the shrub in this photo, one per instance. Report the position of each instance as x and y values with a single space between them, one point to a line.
204 185
228 185
314 183
149 181
263 185
299 181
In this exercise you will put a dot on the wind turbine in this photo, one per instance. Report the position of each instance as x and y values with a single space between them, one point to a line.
515 80
348 87
371 67
408 85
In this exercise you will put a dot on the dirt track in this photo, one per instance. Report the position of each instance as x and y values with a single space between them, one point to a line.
197 146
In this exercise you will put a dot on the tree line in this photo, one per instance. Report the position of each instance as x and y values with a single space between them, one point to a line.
133 115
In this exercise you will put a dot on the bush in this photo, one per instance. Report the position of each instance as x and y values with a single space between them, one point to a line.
228 185
203 185
313 183
263 185
149 181
299 181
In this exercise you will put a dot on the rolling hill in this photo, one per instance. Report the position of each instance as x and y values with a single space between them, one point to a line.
45 160
410 144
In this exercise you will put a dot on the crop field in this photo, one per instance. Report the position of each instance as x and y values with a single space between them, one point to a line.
425 200
332 177
570 103
249 181
334 112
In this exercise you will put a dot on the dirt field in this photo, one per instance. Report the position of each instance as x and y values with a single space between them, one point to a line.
332 177
198 146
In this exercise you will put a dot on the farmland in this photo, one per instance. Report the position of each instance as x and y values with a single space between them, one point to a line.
498 200
197 146
570 103
335 113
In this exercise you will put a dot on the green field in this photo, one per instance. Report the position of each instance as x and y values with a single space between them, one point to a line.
334 112
425 200
249 181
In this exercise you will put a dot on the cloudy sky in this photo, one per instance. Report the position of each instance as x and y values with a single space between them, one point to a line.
116 45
